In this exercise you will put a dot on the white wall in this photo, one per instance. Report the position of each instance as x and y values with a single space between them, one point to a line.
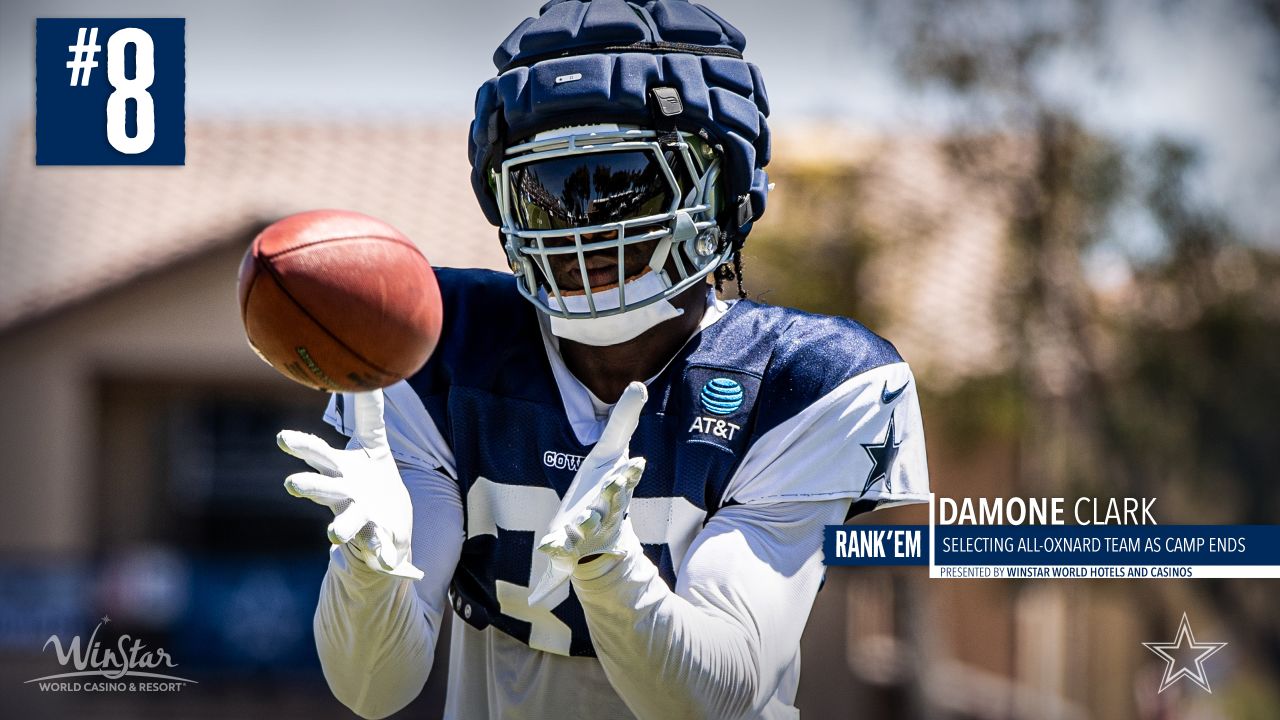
183 323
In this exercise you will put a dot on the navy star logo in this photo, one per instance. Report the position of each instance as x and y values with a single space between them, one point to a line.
1184 657
882 455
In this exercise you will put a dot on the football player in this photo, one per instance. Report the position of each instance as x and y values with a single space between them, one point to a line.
617 480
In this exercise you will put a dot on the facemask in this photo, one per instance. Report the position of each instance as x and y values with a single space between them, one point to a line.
614 329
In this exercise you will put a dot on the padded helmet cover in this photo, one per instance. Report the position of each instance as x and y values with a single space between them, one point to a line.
592 61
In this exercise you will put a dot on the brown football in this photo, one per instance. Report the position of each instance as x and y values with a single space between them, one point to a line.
339 301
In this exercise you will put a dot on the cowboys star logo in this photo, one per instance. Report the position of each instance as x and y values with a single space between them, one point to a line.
1185 657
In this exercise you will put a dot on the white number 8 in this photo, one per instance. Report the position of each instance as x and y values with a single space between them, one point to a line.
134 88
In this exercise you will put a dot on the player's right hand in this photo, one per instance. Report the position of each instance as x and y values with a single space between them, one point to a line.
363 488
592 519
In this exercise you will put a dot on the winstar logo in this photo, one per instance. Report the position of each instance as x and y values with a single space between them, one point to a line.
126 667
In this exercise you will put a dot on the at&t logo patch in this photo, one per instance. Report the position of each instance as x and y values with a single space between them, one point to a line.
719 402
720 397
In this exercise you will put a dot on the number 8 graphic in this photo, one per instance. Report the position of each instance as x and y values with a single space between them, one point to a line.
134 88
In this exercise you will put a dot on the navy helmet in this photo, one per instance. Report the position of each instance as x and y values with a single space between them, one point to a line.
613 124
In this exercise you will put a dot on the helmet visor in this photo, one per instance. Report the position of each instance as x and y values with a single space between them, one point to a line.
589 189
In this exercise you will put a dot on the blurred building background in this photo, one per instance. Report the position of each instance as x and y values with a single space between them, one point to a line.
1072 237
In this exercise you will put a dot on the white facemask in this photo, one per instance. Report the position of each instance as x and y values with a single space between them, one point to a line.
619 328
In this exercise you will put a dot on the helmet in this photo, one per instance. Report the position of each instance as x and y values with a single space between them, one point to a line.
626 127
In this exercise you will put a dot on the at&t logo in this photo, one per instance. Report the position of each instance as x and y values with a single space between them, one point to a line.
715 426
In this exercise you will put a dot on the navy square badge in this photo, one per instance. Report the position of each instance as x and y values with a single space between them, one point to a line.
718 402
111 91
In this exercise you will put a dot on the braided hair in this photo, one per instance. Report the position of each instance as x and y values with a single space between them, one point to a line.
732 271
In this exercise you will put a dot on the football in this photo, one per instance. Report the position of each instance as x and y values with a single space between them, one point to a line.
339 301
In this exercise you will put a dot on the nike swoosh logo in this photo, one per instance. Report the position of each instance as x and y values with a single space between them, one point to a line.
887 397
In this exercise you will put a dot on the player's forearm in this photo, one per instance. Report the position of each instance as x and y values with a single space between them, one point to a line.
665 656
376 638
719 644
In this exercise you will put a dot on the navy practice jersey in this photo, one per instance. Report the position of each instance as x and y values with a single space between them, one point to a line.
764 404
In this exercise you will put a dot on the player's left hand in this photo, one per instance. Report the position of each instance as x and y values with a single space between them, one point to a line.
592 519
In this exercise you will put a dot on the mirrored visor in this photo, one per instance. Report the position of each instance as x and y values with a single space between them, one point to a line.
589 189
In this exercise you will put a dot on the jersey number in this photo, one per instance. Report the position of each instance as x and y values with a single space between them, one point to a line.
491 505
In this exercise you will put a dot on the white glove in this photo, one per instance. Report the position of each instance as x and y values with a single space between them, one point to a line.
592 519
361 486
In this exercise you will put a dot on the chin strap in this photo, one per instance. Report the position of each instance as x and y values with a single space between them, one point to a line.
620 327
614 329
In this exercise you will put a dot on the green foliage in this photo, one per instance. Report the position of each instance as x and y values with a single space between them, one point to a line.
813 255
1168 386
981 411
